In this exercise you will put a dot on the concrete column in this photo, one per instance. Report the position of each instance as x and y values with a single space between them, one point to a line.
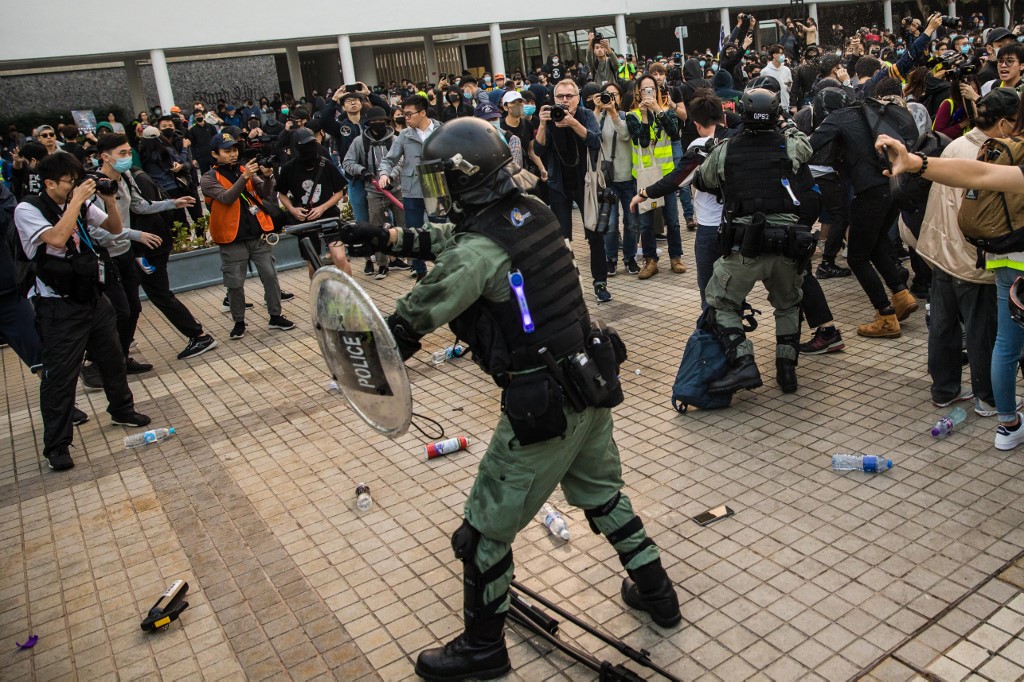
497 56
163 80
887 14
295 71
431 57
135 91
812 12
951 8
522 58
465 59
348 69
1006 14
545 43
365 65
621 39
723 18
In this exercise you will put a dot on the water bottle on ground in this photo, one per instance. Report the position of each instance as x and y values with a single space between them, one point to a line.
869 463
363 499
152 436
455 351
945 426
555 522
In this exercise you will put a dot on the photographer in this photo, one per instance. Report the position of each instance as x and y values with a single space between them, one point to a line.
617 153
957 113
602 59
72 314
567 133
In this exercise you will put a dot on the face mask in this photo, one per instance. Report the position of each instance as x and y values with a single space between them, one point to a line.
93 163
702 63
899 52
378 127
529 109
307 152
123 165
621 61
714 67
779 58
487 79
554 60
965 49
167 132
400 119
284 111
467 96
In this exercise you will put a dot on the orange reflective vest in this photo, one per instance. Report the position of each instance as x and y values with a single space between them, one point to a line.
224 218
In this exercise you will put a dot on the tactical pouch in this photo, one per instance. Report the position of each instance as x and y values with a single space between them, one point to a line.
533 404
802 244
753 239
605 348
776 241
726 238
589 380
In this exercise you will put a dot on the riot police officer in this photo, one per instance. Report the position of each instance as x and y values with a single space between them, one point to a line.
756 173
505 282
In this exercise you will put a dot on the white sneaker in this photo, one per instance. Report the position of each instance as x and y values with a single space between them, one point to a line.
983 409
966 394
1007 439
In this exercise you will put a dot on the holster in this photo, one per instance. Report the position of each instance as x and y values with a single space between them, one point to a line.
533 403
752 237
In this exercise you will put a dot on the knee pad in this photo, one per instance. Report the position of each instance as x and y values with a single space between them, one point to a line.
464 542
604 510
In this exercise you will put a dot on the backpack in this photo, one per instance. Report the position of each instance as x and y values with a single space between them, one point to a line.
992 220
703 362
910 192
24 268
889 118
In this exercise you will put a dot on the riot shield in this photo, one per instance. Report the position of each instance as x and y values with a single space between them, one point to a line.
360 352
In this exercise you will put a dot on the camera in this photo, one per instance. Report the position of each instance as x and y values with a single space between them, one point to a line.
598 37
951 22
605 202
604 97
104 185
964 70
559 112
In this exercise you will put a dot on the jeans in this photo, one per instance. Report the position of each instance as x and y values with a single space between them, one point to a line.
624 192
951 299
675 238
1006 354
357 199
561 206
706 251
869 245
415 216
685 196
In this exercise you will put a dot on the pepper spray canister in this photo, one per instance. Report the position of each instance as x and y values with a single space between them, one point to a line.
446 447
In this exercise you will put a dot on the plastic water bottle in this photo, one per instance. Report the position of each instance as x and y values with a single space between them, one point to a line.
945 426
455 351
869 463
145 266
152 436
554 521
363 499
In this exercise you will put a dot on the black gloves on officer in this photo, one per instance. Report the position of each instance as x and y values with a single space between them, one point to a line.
374 236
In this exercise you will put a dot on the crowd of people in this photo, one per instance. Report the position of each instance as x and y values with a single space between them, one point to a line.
235 173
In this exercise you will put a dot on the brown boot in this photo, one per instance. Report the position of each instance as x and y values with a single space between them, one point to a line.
678 266
904 303
884 327
650 269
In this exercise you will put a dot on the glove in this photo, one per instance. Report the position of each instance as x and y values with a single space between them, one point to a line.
358 232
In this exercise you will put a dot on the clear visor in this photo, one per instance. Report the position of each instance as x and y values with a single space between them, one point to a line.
436 196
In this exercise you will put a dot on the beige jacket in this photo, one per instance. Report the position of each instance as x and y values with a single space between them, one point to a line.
941 243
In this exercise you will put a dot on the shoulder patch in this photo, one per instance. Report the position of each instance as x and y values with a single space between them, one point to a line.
519 217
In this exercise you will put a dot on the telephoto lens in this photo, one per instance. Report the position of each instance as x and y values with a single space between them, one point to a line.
558 113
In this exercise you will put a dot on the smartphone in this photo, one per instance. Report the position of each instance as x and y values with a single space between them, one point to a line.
352 88
883 156
712 515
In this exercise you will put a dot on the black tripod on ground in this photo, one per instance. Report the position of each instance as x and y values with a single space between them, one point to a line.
539 623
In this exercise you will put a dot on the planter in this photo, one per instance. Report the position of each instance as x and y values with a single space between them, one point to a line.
201 268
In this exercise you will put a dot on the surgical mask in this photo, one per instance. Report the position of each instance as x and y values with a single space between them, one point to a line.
702 63
529 109
621 61
284 111
123 165
899 52
94 163
779 58
839 53
714 67
467 96
487 79
554 60
965 49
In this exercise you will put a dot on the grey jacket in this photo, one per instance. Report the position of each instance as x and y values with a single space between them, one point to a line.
406 151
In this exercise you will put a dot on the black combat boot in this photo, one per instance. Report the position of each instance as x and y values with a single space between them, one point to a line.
785 369
649 589
742 374
479 653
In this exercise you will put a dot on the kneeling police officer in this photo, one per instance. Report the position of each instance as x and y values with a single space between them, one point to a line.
505 282
756 175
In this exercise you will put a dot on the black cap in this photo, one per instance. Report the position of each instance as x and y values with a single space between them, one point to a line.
376 113
224 141
997 34
300 113
1000 103
304 136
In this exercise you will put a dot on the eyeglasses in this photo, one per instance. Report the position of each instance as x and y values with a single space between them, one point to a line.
46 135
409 113
1007 62
67 180
565 95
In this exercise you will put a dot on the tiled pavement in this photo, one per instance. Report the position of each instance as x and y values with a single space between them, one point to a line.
913 573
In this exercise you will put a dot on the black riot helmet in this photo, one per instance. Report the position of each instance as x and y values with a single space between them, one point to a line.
826 101
760 109
458 158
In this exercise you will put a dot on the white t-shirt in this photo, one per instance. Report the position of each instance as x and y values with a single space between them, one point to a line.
31 226
424 134
785 78
706 209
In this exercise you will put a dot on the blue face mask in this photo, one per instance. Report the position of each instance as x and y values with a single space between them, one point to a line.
701 62
487 79
899 52
714 67
965 49
123 165
529 109
466 96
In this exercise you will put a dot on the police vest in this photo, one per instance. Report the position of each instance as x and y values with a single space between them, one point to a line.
224 218
529 232
756 164
662 149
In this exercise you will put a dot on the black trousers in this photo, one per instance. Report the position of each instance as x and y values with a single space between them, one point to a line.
835 197
869 245
158 289
561 206
953 300
123 292
67 330
814 306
